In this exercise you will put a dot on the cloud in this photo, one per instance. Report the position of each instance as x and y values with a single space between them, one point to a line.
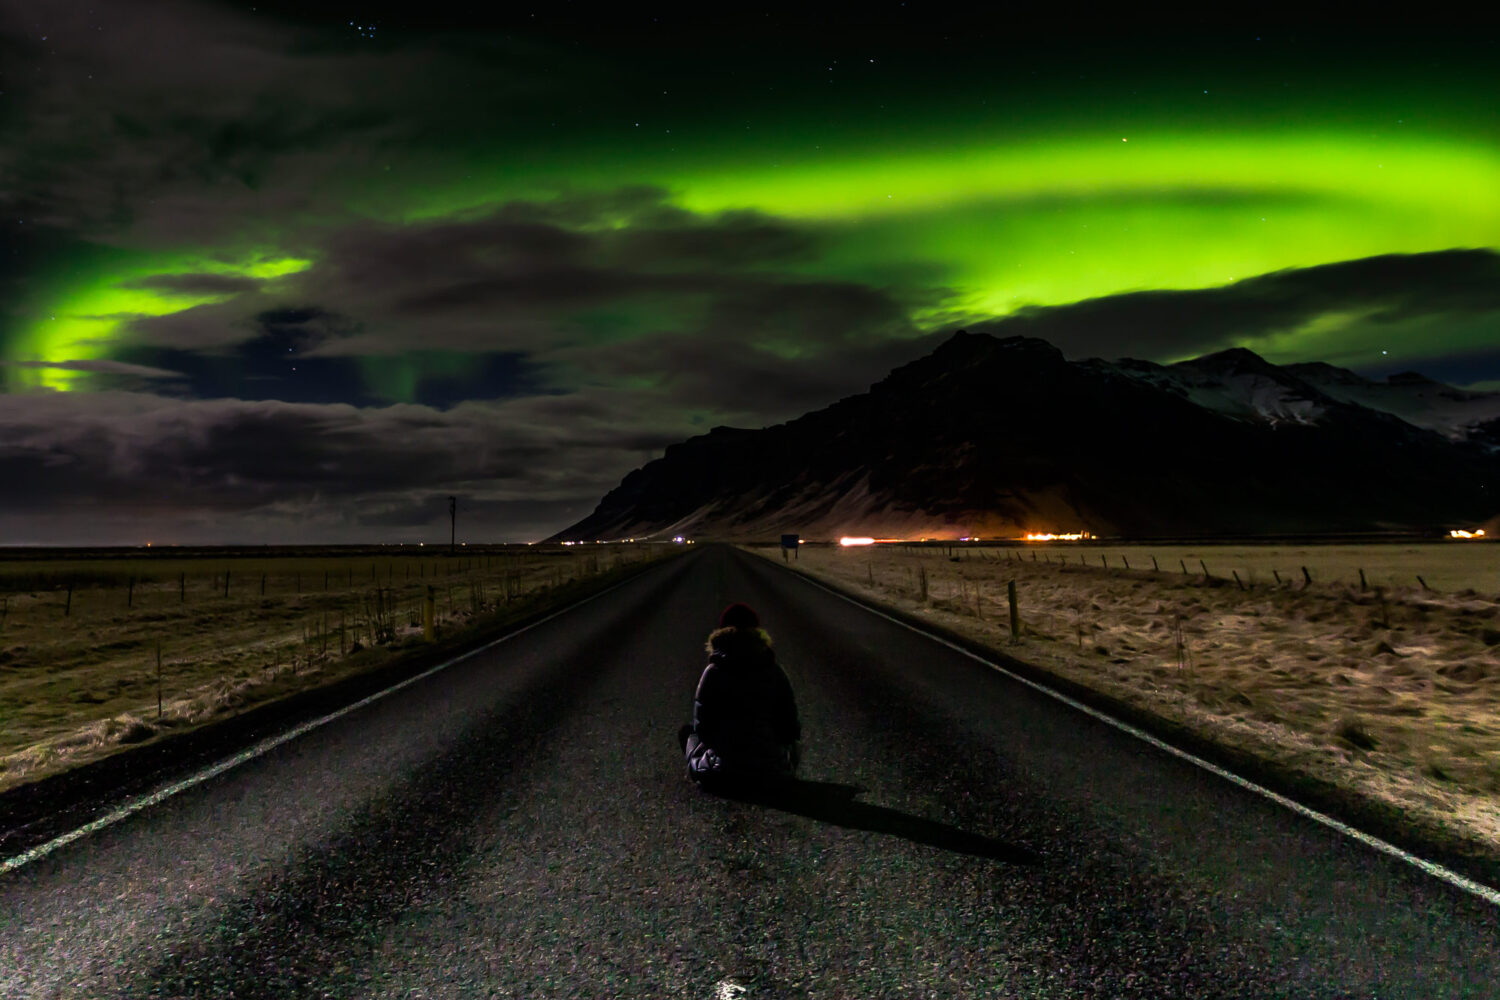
1392 289
303 465
194 284
170 122
555 280
741 383
98 367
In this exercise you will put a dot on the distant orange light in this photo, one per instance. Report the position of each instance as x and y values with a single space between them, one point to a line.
1460 533
848 540
1050 537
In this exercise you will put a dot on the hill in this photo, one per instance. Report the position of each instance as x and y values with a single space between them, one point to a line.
994 437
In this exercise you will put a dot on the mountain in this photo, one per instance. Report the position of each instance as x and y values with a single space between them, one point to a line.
1240 383
1457 414
993 437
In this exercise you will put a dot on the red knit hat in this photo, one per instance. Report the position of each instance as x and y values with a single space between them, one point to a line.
739 616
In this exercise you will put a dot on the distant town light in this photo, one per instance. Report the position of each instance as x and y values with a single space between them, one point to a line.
1460 533
678 539
1050 537
848 540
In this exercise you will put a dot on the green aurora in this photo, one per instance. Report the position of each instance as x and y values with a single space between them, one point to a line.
994 204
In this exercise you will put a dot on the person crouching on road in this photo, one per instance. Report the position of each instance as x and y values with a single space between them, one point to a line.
745 727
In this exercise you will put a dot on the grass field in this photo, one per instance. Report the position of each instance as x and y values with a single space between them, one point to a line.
1442 566
82 634
1389 690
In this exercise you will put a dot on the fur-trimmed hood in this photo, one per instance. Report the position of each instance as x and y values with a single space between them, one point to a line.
738 641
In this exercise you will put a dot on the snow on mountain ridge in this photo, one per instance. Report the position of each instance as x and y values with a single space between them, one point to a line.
1241 384
1237 383
1457 414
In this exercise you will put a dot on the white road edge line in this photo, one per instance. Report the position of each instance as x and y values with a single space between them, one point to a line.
265 746
1453 878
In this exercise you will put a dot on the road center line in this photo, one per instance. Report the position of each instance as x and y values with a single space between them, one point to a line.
265 746
1453 878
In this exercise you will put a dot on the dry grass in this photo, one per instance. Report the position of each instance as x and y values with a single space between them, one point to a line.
1390 691
79 678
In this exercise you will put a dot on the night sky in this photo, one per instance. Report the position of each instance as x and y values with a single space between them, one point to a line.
292 272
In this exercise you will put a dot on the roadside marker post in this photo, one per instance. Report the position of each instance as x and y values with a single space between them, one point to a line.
1015 613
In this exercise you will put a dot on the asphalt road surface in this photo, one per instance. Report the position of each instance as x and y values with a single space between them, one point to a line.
519 825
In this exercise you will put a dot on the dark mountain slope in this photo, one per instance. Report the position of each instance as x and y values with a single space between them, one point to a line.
993 437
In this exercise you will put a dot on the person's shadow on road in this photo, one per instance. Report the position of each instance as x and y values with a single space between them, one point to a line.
831 802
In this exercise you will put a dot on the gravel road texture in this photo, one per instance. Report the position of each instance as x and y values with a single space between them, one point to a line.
519 825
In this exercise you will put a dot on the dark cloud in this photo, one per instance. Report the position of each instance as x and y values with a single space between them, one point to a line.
194 284
181 122
549 279
1165 325
308 468
105 367
742 384
729 241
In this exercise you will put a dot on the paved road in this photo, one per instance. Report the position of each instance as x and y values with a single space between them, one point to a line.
518 825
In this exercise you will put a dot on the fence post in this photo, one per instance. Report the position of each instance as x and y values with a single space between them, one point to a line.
1362 584
1205 569
1015 613
130 593
182 587
429 612
1307 576
68 607
1154 568
226 583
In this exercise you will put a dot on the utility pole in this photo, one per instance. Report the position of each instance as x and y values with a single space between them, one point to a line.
452 525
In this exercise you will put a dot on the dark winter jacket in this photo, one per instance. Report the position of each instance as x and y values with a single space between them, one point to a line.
744 710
